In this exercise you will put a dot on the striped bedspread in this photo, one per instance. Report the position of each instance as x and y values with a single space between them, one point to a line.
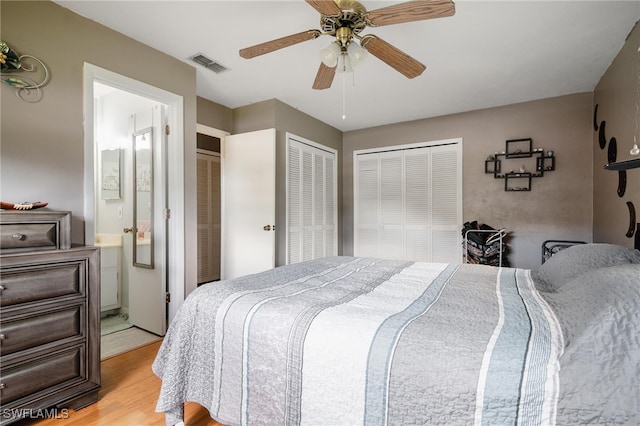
349 341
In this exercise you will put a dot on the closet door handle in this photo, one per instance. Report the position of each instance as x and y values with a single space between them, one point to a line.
267 227
128 230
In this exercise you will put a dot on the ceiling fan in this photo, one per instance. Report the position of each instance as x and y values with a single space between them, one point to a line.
345 20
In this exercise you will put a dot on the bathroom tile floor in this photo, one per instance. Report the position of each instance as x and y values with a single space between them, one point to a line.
125 340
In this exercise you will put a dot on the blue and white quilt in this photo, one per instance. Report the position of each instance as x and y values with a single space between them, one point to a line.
348 341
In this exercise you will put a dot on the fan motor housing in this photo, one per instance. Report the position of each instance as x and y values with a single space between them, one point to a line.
352 17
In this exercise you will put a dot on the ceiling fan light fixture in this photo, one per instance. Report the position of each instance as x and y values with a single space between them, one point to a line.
330 54
357 54
345 20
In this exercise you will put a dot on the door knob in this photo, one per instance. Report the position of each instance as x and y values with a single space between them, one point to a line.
127 230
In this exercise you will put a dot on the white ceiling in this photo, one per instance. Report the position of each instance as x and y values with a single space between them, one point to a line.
490 53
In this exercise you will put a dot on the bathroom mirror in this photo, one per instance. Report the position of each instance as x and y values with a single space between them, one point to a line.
143 198
110 174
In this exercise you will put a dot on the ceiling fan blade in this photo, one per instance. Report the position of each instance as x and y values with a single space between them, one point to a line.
324 77
410 11
270 46
325 7
392 56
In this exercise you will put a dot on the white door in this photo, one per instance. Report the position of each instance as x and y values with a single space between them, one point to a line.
145 237
248 203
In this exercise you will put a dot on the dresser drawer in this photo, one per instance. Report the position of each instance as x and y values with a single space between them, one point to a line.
26 379
41 282
34 230
37 235
40 329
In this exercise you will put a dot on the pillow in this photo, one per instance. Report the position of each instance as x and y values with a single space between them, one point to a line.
599 313
598 300
579 259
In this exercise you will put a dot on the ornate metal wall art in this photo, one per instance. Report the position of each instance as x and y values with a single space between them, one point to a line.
14 69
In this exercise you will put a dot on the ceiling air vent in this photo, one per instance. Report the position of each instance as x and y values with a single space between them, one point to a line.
208 63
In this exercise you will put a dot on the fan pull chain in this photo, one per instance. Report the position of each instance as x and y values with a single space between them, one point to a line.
344 90
344 97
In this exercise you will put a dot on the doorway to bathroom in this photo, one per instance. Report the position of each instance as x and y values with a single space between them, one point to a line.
131 209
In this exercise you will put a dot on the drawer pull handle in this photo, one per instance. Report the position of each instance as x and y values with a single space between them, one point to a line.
2 288
3 336
2 385
18 236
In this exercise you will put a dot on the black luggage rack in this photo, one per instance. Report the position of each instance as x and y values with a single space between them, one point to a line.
484 245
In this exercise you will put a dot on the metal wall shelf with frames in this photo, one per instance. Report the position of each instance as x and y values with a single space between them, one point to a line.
520 179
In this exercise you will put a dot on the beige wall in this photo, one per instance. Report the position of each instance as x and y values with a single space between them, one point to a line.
275 114
43 143
615 96
560 203
214 115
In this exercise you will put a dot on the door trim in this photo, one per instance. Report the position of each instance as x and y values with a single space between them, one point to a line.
175 245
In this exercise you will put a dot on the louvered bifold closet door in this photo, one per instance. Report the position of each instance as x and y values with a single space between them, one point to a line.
307 205
208 217
446 210
408 204
311 203
367 240
417 187
216 217
330 208
391 205
204 235
294 204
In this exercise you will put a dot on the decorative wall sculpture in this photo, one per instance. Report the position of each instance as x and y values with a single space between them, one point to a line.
25 73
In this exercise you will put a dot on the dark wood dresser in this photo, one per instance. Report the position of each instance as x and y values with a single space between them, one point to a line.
49 320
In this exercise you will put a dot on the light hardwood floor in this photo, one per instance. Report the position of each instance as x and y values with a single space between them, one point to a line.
128 396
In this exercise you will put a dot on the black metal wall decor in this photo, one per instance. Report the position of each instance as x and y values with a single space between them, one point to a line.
601 135
621 167
632 219
520 179
612 151
622 182
612 156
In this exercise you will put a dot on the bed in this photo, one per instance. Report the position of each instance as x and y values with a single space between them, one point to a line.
349 341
